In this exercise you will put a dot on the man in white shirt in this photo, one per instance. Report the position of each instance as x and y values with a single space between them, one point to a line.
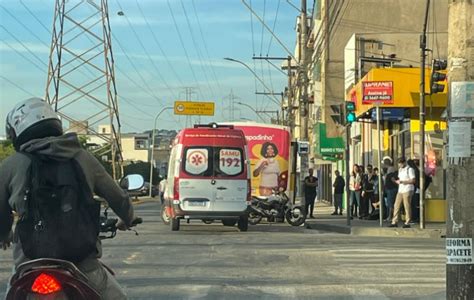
406 188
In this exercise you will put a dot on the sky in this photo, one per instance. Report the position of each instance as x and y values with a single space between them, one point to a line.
152 65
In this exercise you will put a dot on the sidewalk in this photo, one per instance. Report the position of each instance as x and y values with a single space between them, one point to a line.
324 221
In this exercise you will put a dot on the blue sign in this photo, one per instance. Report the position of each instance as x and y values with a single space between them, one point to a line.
389 114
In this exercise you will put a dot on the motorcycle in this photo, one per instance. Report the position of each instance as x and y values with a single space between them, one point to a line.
276 208
57 279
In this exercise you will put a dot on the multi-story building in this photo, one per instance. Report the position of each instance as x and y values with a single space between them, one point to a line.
352 39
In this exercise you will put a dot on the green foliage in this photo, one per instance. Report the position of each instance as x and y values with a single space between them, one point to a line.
142 168
6 149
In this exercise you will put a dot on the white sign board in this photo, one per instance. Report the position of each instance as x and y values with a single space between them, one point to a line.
462 99
459 134
196 161
459 251
230 161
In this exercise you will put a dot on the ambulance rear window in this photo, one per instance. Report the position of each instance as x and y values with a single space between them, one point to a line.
213 161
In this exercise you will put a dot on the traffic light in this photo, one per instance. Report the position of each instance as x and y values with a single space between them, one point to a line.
436 76
350 114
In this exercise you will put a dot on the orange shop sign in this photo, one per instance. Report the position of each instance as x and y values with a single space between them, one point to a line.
377 92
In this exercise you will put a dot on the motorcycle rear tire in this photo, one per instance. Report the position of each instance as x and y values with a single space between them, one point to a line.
254 218
290 213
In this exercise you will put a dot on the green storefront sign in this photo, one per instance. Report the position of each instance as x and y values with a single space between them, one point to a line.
327 148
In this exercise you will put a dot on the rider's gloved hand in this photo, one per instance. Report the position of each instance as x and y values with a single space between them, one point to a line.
7 241
122 226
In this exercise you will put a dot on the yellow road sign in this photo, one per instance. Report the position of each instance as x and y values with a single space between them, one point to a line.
194 108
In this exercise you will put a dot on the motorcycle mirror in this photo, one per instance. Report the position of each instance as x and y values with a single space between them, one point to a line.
132 182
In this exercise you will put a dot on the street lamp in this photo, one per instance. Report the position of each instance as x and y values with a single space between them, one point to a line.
256 76
153 147
243 104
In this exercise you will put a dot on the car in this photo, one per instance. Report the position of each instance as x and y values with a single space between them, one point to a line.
145 191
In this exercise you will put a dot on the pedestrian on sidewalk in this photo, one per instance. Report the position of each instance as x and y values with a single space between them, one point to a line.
369 181
391 189
310 187
415 201
406 187
338 185
355 186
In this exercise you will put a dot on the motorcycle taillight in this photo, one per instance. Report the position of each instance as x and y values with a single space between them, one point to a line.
45 284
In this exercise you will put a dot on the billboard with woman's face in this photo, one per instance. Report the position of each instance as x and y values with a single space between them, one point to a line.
269 154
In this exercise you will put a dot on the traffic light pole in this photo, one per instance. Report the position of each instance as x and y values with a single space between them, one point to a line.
422 118
348 172
379 165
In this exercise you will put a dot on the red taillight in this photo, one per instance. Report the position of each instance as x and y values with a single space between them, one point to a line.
176 188
45 284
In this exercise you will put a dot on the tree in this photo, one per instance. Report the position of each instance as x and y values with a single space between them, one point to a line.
6 149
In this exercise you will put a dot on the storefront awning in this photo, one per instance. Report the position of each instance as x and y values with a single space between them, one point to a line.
399 87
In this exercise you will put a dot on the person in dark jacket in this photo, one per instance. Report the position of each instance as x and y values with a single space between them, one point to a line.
391 189
35 128
310 188
369 182
338 185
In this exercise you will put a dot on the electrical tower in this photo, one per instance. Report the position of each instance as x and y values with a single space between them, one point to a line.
81 76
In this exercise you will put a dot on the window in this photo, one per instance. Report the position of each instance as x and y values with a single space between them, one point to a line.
141 144
224 162
197 161
230 161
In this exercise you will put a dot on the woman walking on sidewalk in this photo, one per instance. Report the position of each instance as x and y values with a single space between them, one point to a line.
355 186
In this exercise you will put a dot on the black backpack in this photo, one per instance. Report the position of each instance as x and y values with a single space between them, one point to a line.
61 218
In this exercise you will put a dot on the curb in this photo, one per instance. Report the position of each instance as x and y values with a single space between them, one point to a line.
379 232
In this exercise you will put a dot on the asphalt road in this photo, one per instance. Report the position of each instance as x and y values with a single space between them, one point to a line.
274 261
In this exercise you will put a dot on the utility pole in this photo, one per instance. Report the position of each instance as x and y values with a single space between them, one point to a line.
304 105
291 118
460 226
422 115
303 85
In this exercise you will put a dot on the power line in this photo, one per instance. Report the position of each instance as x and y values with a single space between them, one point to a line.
263 27
17 86
159 44
135 68
274 24
24 26
205 48
21 54
146 52
35 17
24 46
253 53
198 51
182 44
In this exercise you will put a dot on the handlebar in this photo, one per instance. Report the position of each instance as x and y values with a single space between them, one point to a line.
109 225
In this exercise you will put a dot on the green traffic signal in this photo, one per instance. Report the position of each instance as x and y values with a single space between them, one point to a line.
350 117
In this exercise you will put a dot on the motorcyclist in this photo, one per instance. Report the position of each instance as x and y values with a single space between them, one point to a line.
34 127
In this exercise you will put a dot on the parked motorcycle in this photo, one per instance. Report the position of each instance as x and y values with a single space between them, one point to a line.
276 208
48 278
